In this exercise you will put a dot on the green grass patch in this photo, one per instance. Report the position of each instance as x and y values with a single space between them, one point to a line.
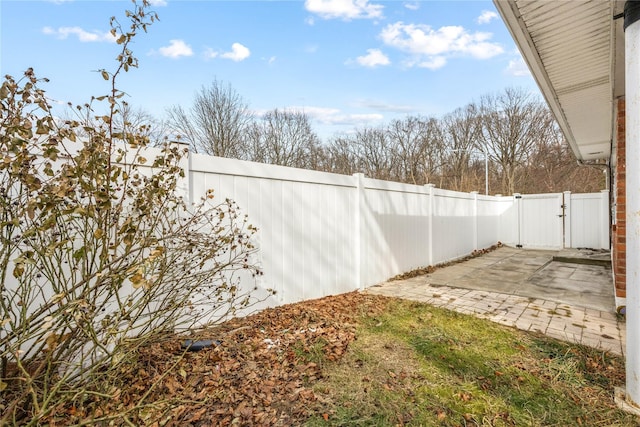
418 365
313 352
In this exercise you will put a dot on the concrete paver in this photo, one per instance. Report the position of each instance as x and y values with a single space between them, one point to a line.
527 290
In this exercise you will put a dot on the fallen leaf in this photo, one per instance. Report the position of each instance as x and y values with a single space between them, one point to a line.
465 396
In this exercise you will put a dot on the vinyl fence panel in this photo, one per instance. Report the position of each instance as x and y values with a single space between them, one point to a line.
509 225
395 221
305 221
489 219
454 225
587 220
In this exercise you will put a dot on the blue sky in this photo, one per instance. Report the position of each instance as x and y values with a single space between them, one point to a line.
346 63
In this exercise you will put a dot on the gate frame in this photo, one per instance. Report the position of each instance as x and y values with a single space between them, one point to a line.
597 216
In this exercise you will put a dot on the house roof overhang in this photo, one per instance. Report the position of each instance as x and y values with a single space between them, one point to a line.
575 51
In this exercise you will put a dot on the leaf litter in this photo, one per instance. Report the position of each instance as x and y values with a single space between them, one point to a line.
275 368
260 370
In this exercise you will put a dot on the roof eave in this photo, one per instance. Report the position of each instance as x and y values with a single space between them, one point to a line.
516 26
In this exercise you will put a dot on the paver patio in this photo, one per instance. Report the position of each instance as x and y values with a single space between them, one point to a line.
528 290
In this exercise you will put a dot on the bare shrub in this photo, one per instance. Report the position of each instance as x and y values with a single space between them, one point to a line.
100 253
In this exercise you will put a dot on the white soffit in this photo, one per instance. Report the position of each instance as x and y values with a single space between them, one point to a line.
568 47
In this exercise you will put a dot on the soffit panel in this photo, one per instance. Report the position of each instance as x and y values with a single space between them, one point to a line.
588 107
567 45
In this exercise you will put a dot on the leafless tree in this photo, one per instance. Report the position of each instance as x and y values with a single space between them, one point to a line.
368 150
525 148
461 132
143 123
419 148
340 156
375 153
435 153
215 123
512 122
284 138
409 137
552 167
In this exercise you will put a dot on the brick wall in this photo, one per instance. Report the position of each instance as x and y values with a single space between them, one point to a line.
619 229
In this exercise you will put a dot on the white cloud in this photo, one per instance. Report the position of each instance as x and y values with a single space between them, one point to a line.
176 49
82 35
355 119
433 63
373 58
412 6
486 16
238 53
158 2
210 53
431 48
333 116
344 9
517 67
382 106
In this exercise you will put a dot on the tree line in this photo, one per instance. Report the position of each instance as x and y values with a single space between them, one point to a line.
511 137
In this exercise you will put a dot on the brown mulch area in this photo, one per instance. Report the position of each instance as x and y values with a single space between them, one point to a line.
260 373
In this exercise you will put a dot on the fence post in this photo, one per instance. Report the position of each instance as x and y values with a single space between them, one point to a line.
430 222
475 220
566 220
605 238
517 198
189 175
185 185
359 230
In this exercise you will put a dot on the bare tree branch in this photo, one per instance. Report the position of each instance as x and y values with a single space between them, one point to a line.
215 124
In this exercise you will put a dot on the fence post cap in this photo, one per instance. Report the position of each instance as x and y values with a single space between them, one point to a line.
179 142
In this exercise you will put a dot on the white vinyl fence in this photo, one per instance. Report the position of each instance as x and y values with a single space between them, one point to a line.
322 233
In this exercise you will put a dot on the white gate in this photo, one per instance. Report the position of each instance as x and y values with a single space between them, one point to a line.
558 220
540 220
